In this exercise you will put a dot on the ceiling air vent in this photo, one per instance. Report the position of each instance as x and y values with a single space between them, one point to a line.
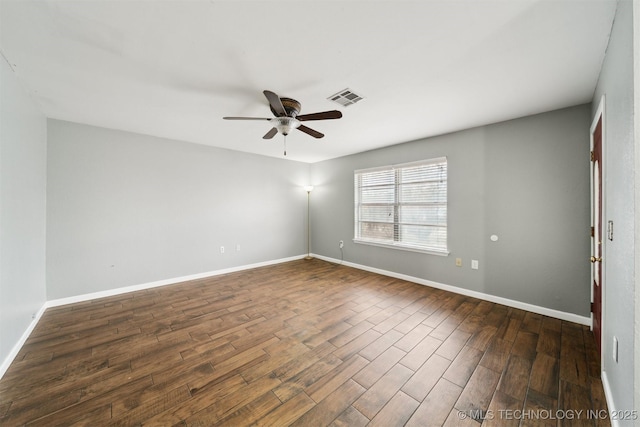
345 97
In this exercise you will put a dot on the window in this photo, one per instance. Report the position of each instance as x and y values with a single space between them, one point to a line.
403 206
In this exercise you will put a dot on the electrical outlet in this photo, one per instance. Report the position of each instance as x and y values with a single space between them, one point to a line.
474 264
458 262
341 244
221 249
237 248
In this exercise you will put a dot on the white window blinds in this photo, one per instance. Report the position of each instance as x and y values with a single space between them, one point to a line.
403 206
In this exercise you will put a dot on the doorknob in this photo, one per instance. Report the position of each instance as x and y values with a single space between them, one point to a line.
594 259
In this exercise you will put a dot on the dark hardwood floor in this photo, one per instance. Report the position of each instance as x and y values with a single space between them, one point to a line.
304 343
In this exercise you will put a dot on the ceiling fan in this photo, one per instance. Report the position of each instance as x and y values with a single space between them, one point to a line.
286 112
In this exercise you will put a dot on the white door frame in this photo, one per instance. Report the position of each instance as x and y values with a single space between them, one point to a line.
600 112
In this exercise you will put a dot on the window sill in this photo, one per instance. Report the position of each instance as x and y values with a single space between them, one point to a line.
402 248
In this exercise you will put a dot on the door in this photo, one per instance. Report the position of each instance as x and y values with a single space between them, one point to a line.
596 230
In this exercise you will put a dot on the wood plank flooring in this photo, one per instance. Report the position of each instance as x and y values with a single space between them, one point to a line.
304 343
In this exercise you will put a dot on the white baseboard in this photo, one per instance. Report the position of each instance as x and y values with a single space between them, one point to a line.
18 346
126 289
583 320
609 398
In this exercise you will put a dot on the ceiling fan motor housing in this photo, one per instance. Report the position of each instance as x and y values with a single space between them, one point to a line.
291 106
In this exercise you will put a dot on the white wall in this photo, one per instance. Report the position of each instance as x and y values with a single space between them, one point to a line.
616 84
23 133
125 209
525 180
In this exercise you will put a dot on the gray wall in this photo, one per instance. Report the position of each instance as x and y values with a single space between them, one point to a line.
636 109
525 180
126 209
616 83
23 133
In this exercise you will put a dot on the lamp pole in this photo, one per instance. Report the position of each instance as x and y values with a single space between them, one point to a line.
308 189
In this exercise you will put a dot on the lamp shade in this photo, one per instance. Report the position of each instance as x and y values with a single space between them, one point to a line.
285 124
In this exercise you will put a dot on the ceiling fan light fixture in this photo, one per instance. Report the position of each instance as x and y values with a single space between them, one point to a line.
285 124
286 112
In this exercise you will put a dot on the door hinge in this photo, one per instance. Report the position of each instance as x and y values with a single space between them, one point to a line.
593 232
591 307
593 156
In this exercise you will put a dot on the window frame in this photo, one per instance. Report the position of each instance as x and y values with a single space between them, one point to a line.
397 204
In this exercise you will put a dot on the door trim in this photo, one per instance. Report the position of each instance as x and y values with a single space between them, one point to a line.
600 113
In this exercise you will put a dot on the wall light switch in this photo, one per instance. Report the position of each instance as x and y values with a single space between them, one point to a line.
615 349
458 262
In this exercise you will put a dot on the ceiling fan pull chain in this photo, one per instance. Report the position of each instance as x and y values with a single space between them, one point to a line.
285 145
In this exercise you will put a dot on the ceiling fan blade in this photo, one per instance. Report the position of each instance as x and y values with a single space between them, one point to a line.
333 114
270 134
276 104
246 118
309 131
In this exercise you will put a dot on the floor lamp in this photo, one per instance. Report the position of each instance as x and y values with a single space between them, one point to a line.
308 189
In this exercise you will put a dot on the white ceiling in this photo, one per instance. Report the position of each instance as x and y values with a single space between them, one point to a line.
175 68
